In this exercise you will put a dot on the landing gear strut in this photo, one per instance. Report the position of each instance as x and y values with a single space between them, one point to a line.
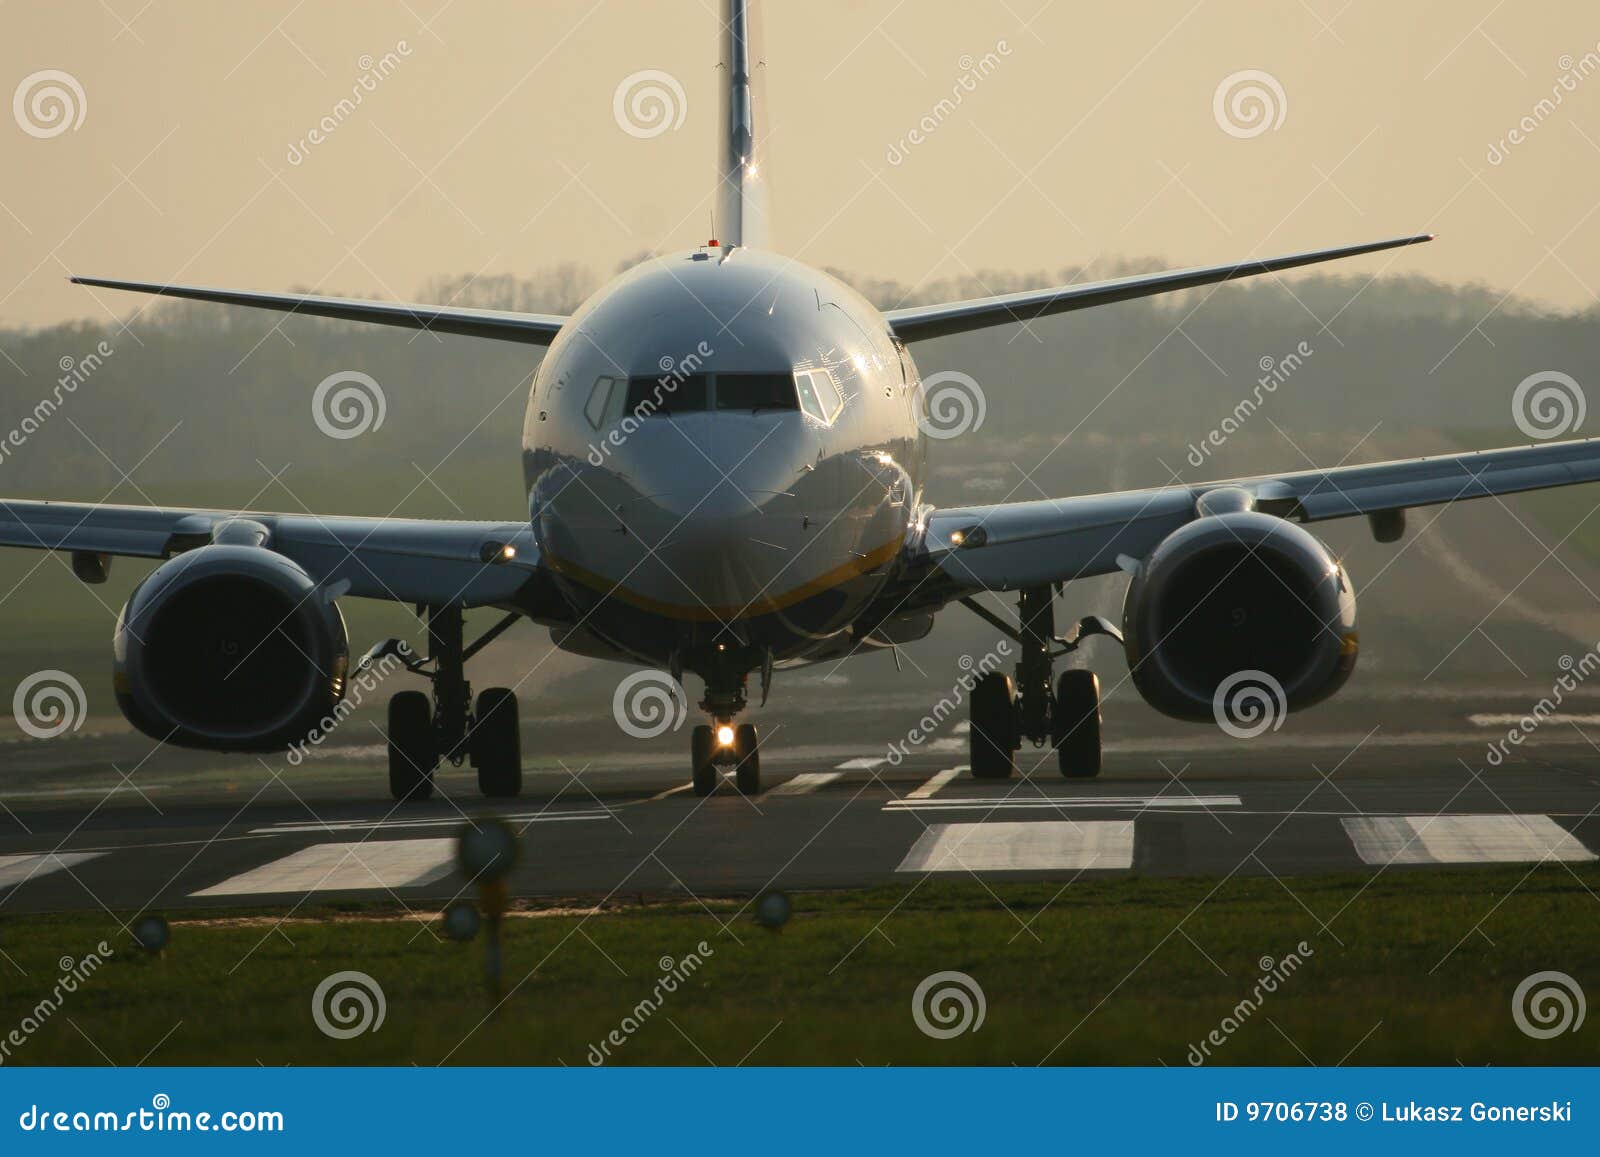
721 743
1004 713
451 727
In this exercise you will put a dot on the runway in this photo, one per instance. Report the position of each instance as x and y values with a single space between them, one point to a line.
1340 801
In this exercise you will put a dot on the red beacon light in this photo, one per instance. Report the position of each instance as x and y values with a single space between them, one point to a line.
713 243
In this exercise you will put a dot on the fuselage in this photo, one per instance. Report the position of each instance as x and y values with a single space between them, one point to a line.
721 449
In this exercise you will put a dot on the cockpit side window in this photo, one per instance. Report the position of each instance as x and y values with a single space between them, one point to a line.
668 395
819 396
595 409
755 392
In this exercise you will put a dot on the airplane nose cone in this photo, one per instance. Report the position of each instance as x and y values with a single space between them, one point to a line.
706 471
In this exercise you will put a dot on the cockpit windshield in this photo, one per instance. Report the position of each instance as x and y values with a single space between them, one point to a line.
669 395
756 392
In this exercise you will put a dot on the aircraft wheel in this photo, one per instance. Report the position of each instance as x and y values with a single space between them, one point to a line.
1075 722
994 728
747 750
413 748
700 753
496 744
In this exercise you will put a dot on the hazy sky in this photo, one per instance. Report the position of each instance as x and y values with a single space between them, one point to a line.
492 143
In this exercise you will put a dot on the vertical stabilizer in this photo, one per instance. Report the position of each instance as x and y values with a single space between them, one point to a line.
742 206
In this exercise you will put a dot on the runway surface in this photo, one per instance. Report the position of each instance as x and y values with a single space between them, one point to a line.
181 835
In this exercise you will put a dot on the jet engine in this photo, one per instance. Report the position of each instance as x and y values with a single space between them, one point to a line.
229 648
1235 608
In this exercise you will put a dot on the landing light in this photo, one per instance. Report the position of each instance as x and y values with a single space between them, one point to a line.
724 736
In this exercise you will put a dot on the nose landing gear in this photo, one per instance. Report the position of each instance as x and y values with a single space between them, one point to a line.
722 743
1004 713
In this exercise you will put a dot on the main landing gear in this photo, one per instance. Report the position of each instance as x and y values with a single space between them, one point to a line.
1005 712
722 743
450 726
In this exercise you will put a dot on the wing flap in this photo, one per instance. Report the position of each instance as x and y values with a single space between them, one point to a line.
527 328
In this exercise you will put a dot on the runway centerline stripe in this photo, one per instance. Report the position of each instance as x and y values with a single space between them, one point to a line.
935 783
1022 802
1483 839
299 828
1050 845
806 782
371 864
15 870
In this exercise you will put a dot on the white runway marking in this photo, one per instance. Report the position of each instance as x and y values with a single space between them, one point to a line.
17 869
1513 720
329 867
671 791
806 782
1382 840
865 763
935 783
314 828
916 803
1022 847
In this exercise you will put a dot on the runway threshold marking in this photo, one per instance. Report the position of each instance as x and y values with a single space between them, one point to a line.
806 782
914 803
1490 839
1022 847
15 870
934 784
384 864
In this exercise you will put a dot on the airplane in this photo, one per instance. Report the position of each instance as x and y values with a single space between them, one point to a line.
724 454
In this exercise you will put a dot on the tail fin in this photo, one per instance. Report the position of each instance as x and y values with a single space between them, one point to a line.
741 150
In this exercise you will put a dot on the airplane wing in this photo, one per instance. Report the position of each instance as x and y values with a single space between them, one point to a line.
1019 544
925 321
405 560
528 328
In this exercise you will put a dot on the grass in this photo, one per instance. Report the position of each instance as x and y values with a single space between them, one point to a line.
1416 967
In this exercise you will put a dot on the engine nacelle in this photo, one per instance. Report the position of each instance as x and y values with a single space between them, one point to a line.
229 648
1236 592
